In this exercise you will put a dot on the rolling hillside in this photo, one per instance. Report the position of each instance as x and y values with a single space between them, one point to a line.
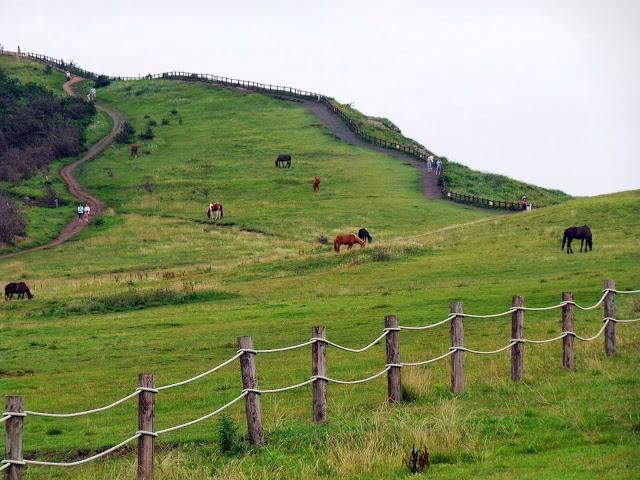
152 286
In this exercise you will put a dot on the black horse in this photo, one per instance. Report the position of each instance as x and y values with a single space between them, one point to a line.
284 159
364 235
20 288
583 233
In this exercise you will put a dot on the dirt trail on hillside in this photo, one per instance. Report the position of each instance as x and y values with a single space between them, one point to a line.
97 206
337 126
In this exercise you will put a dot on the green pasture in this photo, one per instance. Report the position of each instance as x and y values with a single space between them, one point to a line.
28 71
152 286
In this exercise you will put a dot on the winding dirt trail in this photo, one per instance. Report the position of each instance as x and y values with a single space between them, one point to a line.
97 206
335 124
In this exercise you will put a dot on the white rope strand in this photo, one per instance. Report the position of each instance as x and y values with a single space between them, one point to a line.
620 321
4 419
427 327
493 315
84 460
425 362
86 412
5 465
548 340
621 291
284 349
203 374
208 415
282 389
482 352
358 350
353 382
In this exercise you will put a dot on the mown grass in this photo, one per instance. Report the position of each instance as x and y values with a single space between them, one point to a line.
270 278
44 224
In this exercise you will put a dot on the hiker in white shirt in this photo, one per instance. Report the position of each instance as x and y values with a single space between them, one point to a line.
87 211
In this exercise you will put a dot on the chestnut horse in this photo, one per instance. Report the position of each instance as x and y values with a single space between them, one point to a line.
134 150
349 240
215 211
316 184
20 288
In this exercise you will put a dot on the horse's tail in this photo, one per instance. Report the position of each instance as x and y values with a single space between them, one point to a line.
564 239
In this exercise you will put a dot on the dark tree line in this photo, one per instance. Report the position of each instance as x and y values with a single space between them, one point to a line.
37 127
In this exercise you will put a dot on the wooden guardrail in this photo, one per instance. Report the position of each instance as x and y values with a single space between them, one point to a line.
484 202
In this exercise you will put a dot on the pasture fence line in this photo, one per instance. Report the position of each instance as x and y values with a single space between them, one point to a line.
14 415
278 91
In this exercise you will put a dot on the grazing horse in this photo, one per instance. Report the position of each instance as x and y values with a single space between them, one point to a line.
134 150
364 235
349 240
215 211
20 288
316 184
583 233
284 159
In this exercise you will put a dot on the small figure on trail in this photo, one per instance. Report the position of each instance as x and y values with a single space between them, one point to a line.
430 163
439 167
92 94
524 203
80 212
316 184
67 75
134 150
87 212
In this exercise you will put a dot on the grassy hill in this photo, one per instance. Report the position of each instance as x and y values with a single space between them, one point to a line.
43 224
460 178
152 287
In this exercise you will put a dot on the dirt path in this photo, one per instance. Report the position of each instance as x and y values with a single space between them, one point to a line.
97 206
335 124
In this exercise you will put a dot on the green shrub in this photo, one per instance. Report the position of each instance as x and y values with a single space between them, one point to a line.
165 121
151 122
228 435
102 81
126 133
148 134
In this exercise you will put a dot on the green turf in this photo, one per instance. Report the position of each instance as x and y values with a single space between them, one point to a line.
29 71
151 286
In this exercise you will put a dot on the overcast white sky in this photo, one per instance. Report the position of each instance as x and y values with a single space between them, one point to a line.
545 91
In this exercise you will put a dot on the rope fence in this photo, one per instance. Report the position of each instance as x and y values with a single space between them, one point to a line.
14 414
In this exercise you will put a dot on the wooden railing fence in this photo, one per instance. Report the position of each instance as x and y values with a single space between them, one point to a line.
15 413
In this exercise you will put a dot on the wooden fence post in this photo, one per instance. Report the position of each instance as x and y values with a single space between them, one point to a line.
13 433
517 331
610 312
567 326
252 399
146 421
457 340
394 388
319 367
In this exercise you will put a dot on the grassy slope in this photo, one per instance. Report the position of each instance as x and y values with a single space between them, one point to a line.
462 179
44 224
277 286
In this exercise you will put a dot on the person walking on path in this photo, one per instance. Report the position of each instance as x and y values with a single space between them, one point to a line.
80 212
430 163
67 75
439 167
524 203
87 212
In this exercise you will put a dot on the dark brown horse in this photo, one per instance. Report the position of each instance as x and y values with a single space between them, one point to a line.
363 234
316 184
582 233
134 151
284 159
20 288
349 240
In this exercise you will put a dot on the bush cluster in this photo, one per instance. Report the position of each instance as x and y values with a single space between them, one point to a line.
37 128
126 133
12 224
102 81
